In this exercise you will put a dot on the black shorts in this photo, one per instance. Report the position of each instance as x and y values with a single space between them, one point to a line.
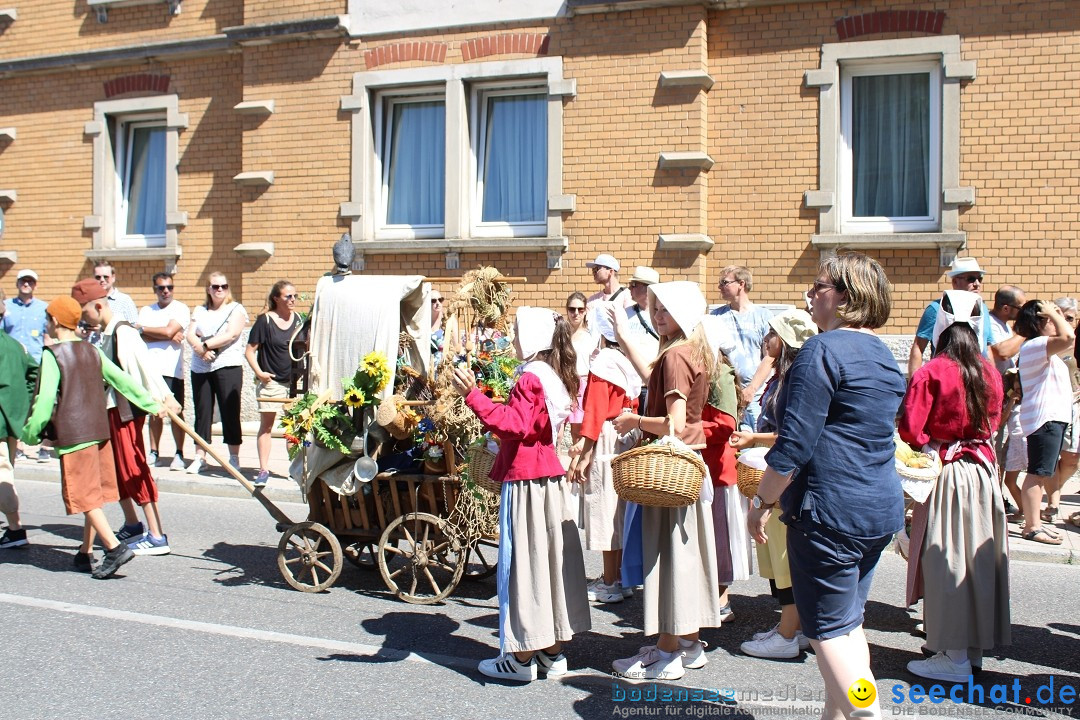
1044 448
176 386
830 577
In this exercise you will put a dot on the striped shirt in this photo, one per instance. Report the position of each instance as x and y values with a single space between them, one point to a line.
1045 382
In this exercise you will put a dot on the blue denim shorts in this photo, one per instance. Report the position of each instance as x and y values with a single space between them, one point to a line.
830 577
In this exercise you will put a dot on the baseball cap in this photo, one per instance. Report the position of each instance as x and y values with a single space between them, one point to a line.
27 272
66 311
87 290
604 260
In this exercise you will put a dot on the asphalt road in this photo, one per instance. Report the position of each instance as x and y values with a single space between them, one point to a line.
213 631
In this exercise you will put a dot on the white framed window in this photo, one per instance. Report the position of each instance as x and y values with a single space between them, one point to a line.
135 178
509 160
498 170
139 164
890 152
889 144
412 163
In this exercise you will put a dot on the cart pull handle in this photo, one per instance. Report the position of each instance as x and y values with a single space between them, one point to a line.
274 510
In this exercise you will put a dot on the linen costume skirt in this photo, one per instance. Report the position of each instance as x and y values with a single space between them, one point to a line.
959 538
602 510
678 546
543 597
733 547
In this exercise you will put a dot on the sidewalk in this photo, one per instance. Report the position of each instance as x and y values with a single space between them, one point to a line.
216 482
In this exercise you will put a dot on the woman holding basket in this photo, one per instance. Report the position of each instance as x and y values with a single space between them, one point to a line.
678 543
958 536
541 575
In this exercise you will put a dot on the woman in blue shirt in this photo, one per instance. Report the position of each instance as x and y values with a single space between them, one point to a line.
831 469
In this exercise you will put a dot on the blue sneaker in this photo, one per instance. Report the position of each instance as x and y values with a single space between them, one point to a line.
129 533
150 545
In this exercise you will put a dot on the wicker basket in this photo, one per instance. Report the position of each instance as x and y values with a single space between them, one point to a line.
658 476
748 479
481 460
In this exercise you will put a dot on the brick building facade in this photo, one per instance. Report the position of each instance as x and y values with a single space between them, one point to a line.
686 136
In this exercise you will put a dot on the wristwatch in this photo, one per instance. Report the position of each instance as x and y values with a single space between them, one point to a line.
760 504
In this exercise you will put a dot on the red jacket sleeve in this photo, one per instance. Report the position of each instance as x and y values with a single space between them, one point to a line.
603 401
918 402
523 414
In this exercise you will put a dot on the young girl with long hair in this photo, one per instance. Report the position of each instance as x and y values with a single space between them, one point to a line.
958 536
678 544
541 572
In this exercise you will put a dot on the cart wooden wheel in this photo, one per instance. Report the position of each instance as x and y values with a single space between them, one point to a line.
420 558
309 557
481 559
362 555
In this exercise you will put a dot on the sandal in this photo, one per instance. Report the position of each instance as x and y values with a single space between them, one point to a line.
1050 514
1042 536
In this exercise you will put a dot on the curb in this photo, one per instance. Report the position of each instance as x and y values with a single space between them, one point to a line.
226 486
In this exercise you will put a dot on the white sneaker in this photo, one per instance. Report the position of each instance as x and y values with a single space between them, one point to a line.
177 463
550 665
599 592
151 458
234 460
772 645
649 664
43 455
196 467
693 657
804 642
940 667
507 667
627 592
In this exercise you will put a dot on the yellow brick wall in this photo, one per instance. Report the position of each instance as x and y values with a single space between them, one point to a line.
271 11
1020 148
49 164
47 27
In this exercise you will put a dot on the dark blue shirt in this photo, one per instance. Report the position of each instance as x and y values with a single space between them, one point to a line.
836 433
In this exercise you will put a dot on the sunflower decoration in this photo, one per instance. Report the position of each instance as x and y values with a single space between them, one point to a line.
354 397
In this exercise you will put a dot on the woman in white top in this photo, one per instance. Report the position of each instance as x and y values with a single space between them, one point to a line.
584 344
217 357
1046 408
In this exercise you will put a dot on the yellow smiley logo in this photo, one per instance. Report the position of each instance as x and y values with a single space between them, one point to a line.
862 693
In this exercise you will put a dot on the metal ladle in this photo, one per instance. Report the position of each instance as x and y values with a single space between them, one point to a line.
365 468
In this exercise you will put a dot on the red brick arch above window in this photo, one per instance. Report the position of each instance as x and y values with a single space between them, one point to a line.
506 44
404 52
142 83
890 21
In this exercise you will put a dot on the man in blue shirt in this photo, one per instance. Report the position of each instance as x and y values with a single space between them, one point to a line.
24 318
965 274
748 324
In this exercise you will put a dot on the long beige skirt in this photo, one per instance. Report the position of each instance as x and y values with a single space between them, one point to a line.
544 599
602 510
682 593
959 545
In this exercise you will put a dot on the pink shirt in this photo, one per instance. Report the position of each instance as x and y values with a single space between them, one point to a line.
524 428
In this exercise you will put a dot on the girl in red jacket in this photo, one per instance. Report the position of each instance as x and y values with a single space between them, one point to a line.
541 572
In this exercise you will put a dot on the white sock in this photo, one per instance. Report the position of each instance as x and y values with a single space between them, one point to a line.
683 642
958 656
667 655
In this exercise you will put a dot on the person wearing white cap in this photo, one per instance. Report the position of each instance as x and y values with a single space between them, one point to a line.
959 563
678 546
964 274
605 271
24 318
541 571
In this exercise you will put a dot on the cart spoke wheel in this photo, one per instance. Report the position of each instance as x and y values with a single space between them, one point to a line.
306 548
426 569
481 559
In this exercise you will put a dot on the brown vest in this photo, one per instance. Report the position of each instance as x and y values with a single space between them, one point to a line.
79 415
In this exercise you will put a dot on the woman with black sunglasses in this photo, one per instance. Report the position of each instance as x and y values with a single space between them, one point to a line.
269 358
217 373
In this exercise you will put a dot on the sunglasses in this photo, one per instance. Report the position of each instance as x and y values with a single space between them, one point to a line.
287 297
971 278
1068 318
818 287
220 287
163 288
575 309
102 277
436 300
725 283
27 281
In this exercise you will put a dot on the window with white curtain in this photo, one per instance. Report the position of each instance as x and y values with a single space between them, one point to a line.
890 147
140 164
509 143
412 156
